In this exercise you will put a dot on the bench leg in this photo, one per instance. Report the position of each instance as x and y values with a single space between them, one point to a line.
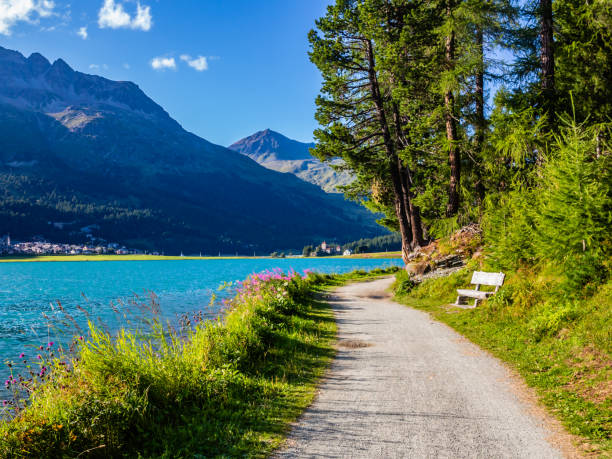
476 302
458 302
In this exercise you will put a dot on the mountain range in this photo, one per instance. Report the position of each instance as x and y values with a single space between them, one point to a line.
279 153
79 150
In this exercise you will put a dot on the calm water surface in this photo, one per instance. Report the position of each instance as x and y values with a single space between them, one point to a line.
27 290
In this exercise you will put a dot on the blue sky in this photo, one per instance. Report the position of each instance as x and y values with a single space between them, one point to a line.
223 69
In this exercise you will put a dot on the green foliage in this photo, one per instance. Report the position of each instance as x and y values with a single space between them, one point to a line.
583 46
508 226
444 227
403 284
575 207
553 317
388 242
565 220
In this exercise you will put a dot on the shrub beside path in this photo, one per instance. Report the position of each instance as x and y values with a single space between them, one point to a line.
403 385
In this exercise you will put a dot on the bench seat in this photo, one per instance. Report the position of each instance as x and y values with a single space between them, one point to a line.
474 293
480 278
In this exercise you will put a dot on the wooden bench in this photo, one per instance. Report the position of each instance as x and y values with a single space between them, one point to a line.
481 278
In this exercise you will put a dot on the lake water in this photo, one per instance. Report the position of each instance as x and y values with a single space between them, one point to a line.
27 290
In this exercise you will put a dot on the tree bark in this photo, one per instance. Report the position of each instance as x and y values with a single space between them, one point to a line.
400 210
413 212
547 59
451 127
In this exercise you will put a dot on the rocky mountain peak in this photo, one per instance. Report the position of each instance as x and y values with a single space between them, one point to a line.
271 145
10 55
38 63
52 88
62 66
277 152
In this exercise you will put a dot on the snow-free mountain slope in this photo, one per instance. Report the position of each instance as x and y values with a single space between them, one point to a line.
81 149
279 153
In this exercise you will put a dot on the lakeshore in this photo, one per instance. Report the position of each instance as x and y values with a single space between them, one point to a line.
61 258
181 286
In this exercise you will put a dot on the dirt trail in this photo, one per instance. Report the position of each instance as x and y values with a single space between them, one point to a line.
403 385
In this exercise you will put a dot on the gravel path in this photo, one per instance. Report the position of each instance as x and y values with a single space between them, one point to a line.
403 385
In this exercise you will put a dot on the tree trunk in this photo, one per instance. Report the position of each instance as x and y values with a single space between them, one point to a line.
399 199
480 123
547 59
400 210
451 127
413 212
416 225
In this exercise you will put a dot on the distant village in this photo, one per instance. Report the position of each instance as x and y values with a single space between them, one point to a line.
325 249
39 246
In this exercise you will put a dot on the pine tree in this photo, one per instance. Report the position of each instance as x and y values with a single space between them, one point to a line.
355 111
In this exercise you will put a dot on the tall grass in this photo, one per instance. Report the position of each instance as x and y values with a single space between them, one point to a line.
222 387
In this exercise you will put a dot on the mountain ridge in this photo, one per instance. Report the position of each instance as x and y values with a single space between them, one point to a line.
280 153
79 147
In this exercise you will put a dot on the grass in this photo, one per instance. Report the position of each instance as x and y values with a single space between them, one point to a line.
561 343
229 387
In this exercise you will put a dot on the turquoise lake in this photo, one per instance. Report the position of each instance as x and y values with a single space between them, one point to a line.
29 290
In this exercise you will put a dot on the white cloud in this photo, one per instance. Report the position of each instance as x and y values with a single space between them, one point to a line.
98 67
199 63
143 19
161 63
112 15
13 11
82 33
126 66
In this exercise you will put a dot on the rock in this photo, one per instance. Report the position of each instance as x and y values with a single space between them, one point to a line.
418 268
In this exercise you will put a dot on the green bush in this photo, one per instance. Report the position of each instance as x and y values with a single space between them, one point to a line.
509 226
553 317
564 221
575 208
403 283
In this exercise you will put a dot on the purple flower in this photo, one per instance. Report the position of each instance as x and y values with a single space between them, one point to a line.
4 403
39 357
51 343
22 355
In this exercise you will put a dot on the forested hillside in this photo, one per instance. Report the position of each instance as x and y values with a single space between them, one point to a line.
81 151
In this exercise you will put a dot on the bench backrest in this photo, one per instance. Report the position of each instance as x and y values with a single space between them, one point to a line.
484 278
